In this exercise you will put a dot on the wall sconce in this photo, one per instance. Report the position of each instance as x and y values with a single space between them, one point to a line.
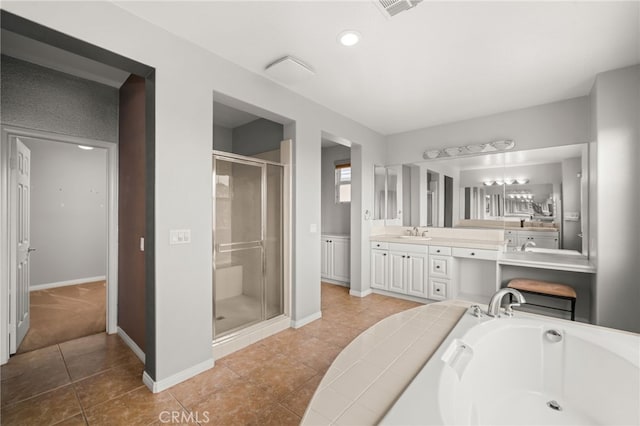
460 151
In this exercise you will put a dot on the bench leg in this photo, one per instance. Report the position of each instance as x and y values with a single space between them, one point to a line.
573 309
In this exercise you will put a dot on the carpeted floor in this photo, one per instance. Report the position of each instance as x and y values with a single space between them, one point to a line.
65 313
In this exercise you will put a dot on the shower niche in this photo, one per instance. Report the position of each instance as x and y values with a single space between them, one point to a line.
248 277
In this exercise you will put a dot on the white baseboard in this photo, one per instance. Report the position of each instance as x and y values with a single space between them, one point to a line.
159 386
252 334
306 320
357 293
329 281
66 283
132 345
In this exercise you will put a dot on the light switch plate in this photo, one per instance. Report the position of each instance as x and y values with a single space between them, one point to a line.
179 236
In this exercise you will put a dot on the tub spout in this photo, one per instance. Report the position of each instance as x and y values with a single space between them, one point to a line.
496 301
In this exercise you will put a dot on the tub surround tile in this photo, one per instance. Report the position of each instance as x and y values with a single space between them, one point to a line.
363 383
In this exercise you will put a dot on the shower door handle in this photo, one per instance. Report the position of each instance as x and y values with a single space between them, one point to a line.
231 247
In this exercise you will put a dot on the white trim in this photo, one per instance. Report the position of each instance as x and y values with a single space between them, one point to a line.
404 296
334 282
159 386
132 345
241 339
112 225
46 286
306 320
363 293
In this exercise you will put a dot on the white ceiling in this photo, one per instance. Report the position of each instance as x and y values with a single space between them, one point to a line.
438 62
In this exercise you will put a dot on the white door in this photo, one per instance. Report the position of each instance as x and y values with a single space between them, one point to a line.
341 256
20 238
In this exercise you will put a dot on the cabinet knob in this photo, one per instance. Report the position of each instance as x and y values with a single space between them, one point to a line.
437 251
384 254
473 254
408 257
438 267
437 290
404 257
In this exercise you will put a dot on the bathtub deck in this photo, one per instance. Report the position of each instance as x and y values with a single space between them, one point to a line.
369 375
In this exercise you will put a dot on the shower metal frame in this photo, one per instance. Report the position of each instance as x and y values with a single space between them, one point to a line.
256 162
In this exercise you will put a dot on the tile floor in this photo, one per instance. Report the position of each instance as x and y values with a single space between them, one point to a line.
96 380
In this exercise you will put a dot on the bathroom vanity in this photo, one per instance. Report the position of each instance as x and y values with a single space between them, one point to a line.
468 264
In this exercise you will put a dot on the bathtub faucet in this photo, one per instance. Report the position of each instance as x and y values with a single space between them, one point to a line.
496 302
526 245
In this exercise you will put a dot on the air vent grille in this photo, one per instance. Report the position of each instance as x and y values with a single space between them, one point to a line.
393 7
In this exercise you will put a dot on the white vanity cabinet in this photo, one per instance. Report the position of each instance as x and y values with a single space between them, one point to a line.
441 269
408 269
335 258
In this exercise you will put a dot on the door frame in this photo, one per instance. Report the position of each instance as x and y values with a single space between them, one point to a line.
8 131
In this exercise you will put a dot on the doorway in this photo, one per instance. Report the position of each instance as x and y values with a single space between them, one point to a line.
248 255
61 224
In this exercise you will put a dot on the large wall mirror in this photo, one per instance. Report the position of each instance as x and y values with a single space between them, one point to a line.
523 191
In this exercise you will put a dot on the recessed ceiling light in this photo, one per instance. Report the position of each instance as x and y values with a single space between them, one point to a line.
349 38
86 148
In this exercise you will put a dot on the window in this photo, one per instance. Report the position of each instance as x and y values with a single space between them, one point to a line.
343 183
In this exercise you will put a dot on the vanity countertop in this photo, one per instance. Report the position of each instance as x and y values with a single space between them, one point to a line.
557 262
513 228
439 241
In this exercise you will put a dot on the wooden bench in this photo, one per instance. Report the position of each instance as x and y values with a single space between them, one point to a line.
544 288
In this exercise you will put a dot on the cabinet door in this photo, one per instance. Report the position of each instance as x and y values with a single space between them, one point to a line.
396 271
439 288
416 276
325 257
379 267
341 259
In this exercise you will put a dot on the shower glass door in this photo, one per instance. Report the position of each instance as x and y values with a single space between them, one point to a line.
247 237
238 245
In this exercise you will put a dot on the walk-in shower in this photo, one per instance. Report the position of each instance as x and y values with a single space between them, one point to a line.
248 278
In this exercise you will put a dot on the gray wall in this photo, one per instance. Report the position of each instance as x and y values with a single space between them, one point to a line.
257 136
222 137
40 98
617 107
336 217
68 212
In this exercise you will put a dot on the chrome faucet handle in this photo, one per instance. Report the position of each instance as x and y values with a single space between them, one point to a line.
508 311
425 233
476 311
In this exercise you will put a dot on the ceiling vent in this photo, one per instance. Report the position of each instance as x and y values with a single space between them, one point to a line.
289 70
392 7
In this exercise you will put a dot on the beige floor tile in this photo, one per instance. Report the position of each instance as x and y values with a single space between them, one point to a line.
140 406
197 388
298 400
49 408
109 384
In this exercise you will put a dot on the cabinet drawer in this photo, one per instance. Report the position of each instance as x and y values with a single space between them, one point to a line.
439 289
444 251
379 245
440 266
475 253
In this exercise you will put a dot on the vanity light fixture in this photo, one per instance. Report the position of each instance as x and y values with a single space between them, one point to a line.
522 181
349 38
509 181
474 149
85 147
488 182
499 182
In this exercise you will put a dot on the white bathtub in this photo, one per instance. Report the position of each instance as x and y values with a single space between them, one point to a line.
505 371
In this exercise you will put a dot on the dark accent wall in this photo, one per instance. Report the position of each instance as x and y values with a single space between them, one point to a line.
256 137
40 98
131 210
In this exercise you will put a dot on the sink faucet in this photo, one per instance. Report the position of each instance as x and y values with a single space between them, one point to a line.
496 302
527 244
415 231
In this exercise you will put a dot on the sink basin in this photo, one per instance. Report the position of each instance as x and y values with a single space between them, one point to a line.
413 237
